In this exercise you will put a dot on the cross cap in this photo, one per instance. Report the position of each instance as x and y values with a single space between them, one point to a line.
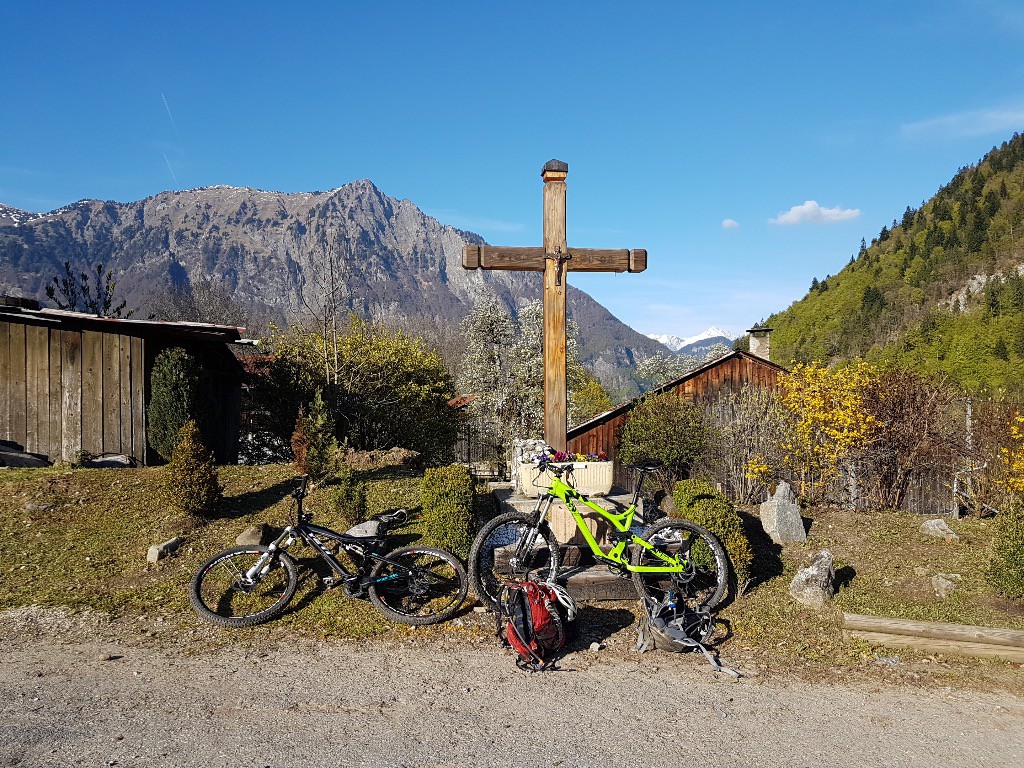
554 170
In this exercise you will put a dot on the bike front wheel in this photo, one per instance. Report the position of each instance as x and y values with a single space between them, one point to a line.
418 585
223 593
704 580
511 548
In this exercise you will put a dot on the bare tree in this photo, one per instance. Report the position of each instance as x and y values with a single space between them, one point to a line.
78 294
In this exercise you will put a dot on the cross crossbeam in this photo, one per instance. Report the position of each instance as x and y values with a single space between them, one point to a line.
554 259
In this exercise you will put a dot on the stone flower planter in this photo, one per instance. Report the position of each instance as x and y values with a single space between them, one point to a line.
594 478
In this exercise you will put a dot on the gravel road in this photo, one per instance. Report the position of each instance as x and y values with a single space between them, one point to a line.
87 698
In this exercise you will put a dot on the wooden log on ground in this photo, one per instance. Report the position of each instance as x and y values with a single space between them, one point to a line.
937 637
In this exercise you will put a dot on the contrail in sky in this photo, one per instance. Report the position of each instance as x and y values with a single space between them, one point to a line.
168 108
170 169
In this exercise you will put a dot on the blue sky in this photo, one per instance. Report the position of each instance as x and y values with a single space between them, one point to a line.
748 146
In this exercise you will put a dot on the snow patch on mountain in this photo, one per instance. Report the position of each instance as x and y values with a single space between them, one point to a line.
676 343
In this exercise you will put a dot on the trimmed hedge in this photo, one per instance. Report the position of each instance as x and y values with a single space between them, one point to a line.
448 509
193 482
699 502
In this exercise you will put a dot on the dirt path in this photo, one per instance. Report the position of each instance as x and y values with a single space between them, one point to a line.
86 698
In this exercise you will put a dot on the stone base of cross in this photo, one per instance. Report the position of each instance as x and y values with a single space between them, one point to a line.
554 259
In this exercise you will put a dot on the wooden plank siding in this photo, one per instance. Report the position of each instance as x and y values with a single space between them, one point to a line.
37 381
138 398
92 392
55 395
18 401
71 382
727 374
71 394
5 382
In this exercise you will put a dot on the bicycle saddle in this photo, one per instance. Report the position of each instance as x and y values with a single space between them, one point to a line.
648 465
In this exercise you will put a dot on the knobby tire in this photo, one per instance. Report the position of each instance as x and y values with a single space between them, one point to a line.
418 585
220 595
491 556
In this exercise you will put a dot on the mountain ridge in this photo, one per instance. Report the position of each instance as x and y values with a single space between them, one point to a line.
269 248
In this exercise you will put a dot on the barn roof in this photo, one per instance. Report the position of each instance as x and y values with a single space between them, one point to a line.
12 310
669 386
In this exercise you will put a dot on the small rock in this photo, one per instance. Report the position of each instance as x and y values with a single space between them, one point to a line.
920 571
30 507
254 534
160 551
814 585
595 647
944 584
938 528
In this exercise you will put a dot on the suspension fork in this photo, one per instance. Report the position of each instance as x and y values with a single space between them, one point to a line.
540 514
262 565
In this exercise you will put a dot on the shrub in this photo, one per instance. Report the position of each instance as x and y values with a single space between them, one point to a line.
448 508
193 482
348 500
699 502
1006 568
664 427
175 398
313 443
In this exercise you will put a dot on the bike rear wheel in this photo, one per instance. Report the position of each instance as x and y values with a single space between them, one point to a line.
703 583
418 585
510 547
222 594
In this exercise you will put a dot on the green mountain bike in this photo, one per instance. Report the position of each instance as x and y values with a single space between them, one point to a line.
671 559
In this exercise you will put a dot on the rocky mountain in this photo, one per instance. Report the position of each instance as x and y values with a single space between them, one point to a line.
386 257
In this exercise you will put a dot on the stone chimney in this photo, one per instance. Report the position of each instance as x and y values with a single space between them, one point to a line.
760 342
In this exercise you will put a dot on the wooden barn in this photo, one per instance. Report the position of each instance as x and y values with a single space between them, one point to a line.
73 382
729 373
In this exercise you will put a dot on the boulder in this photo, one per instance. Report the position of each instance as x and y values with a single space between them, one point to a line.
780 516
815 585
938 528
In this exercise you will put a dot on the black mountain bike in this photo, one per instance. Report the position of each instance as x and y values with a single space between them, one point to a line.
251 584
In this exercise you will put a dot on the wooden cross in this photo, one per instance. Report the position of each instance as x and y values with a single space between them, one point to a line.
554 259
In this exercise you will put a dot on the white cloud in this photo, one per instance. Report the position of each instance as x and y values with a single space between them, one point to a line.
810 211
959 125
730 224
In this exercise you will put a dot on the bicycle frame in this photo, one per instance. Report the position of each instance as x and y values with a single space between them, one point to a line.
621 524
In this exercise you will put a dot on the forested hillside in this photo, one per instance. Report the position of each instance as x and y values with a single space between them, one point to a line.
940 290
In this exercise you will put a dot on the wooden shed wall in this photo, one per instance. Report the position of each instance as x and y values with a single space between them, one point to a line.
66 391
730 375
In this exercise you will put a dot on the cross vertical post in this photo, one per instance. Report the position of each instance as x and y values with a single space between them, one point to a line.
555 253
555 259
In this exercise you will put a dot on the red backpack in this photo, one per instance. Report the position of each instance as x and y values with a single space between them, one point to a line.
533 618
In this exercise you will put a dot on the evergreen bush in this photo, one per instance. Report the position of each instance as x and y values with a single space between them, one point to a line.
313 443
448 508
348 500
699 502
175 399
1006 568
193 482
665 427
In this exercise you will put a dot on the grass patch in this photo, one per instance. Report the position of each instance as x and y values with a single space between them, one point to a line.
884 567
78 539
